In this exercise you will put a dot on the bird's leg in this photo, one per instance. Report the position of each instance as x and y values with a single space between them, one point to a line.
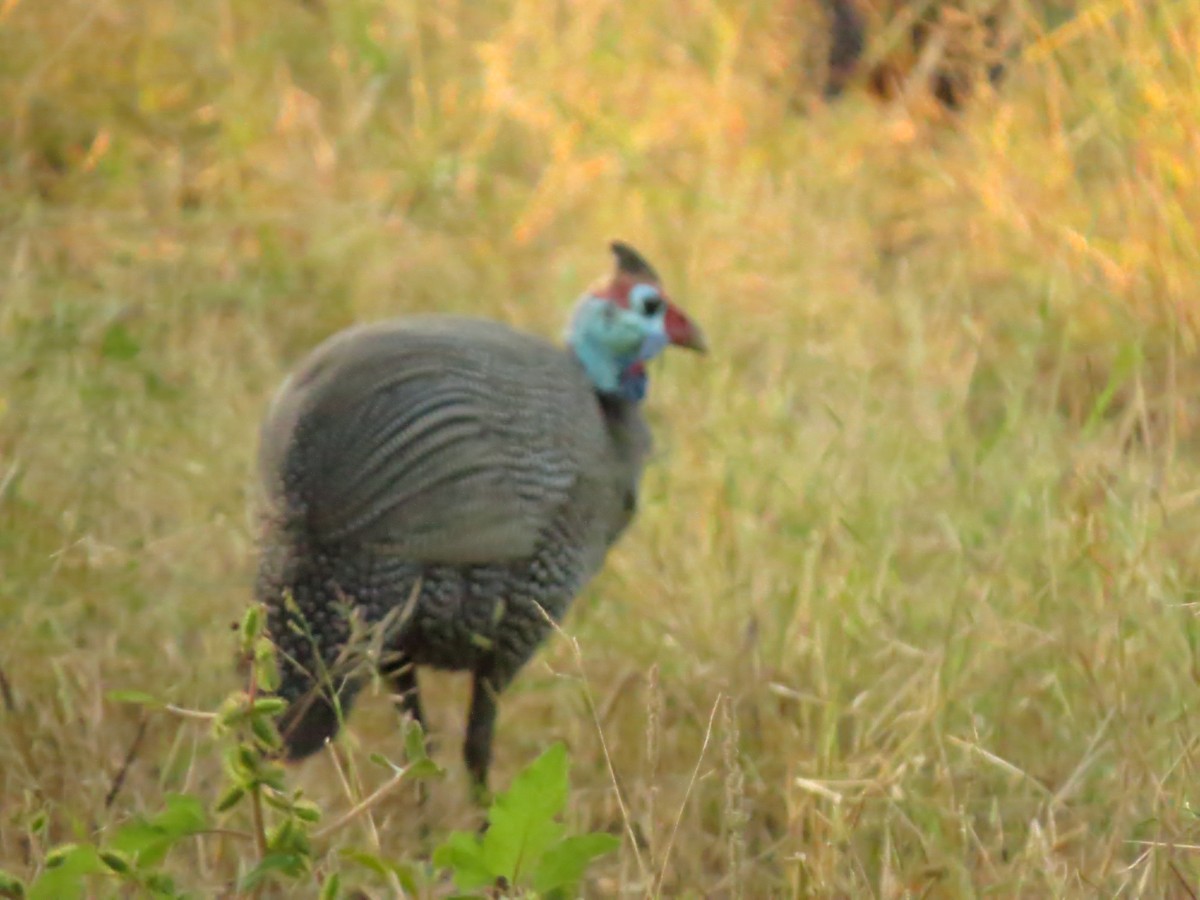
404 680
403 674
481 723
408 701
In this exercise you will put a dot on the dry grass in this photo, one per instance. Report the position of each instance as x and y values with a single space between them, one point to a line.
918 557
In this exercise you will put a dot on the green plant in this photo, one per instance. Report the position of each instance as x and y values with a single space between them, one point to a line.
525 848
132 856
251 768
282 818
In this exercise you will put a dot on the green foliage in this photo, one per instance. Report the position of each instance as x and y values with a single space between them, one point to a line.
525 847
132 856
67 871
118 344
254 775
148 841
524 850
135 853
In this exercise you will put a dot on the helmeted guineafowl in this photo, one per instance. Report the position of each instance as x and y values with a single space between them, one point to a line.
451 482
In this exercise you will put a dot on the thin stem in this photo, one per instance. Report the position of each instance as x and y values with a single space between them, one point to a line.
361 807
662 872
260 832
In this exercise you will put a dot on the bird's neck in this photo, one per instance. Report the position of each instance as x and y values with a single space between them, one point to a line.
633 382
624 379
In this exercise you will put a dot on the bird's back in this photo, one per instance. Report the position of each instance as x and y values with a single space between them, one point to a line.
445 440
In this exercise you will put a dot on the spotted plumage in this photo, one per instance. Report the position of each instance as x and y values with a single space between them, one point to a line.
441 488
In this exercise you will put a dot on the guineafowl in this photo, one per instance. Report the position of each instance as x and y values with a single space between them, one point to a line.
447 485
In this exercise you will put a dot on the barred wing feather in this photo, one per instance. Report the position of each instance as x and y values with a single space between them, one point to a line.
443 440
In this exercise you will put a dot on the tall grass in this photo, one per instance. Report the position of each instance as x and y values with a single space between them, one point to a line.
917 556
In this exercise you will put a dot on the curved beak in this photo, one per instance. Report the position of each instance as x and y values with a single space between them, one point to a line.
682 331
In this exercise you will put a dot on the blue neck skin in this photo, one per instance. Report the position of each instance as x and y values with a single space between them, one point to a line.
619 376
634 382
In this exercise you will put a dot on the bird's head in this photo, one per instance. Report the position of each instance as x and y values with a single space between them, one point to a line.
625 320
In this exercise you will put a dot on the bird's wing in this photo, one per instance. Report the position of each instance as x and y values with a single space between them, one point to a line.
445 441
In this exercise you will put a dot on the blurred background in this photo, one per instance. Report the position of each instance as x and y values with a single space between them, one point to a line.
912 590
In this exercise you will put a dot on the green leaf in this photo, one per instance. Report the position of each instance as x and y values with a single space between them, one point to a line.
290 864
414 743
266 734
161 884
277 801
141 840
368 861
231 712
116 861
231 798
268 706
184 815
265 670
248 760
306 811
332 888
144 843
289 837
118 344
139 698
10 885
462 854
563 865
522 819
1125 366
251 625
149 841
75 857
425 769
67 867
271 775
411 876
57 884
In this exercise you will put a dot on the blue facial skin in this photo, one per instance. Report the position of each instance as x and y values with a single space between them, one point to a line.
612 342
